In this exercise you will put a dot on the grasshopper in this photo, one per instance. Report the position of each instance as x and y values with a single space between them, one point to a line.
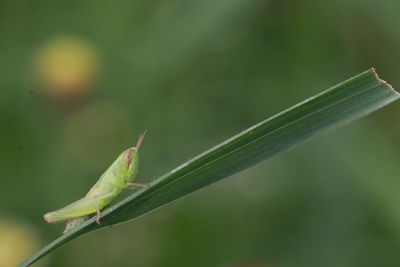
120 175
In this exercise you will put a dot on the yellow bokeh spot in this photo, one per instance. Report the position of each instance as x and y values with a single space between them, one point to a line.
67 66
17 243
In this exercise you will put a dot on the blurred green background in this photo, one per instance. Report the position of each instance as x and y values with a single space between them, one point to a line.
79 80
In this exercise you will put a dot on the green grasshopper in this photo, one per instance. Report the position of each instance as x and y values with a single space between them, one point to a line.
120 175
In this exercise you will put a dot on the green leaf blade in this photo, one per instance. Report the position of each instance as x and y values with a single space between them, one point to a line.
341 104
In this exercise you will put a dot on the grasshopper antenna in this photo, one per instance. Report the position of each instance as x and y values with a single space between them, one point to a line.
140 140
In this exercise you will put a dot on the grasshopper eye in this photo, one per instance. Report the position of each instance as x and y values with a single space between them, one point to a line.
129 155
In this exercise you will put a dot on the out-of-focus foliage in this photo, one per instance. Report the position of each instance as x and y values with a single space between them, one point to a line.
193 73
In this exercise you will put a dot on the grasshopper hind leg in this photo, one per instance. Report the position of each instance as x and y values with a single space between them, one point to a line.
97 213
74 222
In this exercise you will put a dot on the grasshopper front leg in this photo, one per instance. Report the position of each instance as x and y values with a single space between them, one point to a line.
137 186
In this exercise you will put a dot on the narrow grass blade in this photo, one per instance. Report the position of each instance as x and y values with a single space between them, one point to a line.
345 102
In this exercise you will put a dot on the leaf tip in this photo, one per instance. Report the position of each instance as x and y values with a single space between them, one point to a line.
373 70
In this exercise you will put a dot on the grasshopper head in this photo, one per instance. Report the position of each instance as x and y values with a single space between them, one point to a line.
131 153
131 158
